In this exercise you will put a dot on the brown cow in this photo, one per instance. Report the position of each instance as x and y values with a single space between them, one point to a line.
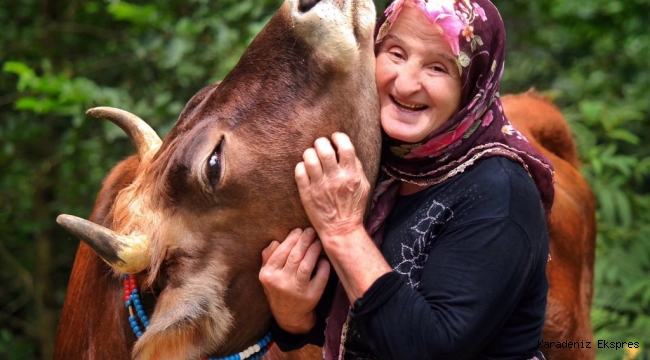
572 228
190 215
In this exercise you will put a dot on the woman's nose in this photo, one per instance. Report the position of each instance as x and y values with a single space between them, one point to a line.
407 80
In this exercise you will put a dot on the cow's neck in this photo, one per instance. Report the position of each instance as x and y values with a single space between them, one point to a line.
139 323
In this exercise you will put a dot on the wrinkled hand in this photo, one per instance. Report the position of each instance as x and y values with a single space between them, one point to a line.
333 193
286 276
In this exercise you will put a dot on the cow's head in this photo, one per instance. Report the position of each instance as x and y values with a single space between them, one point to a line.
208 199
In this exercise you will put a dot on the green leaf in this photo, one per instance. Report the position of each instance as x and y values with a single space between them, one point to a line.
25 74
591 110
463 59
623 135
624 208
136 14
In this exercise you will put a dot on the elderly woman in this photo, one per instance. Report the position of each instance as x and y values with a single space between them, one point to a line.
452 262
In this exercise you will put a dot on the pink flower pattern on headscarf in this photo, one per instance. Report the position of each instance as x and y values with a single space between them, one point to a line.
451 17
443 15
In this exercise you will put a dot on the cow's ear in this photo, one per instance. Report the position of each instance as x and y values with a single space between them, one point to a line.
197 99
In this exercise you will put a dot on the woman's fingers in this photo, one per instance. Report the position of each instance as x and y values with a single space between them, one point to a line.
319 281
345 149
313 165
297 255
309 260
326 155
278 257
268 251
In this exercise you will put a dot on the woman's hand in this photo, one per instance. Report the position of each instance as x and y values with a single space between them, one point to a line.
286 276
333 193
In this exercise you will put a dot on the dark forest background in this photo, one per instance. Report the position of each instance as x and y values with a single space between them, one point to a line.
61 57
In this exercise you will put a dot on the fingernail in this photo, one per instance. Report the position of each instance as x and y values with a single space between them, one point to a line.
310 231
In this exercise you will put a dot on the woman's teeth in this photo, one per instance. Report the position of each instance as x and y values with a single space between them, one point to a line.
411 107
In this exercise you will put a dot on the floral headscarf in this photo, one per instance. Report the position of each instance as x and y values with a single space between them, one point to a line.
475 32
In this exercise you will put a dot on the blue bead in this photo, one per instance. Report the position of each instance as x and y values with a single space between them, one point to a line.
145 323
127 303
141 313
131 318
134 324
138 334
135 291
137 302
136 328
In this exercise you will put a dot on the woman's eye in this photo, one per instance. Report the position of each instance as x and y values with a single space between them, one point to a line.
438 68
395 52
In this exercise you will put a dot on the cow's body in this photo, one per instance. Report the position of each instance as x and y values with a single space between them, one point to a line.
206 227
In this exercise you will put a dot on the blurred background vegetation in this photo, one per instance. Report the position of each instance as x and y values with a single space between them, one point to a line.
61 57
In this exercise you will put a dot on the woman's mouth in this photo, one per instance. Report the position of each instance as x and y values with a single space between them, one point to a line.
408 107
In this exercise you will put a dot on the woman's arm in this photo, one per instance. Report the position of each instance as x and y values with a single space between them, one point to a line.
472 281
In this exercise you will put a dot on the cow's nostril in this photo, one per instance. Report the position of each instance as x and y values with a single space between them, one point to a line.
306 5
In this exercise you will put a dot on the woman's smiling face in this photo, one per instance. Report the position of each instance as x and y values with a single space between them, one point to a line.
417 78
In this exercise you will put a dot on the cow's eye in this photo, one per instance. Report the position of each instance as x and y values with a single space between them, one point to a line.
214 165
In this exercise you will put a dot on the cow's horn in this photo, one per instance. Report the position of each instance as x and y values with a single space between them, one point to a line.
144 138
127 254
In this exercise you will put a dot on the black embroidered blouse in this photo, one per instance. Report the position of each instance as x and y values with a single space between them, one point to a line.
469 273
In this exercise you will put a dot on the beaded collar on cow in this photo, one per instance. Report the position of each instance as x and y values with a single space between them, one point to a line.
139 322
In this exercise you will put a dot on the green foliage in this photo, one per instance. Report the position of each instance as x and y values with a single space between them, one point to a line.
60 58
